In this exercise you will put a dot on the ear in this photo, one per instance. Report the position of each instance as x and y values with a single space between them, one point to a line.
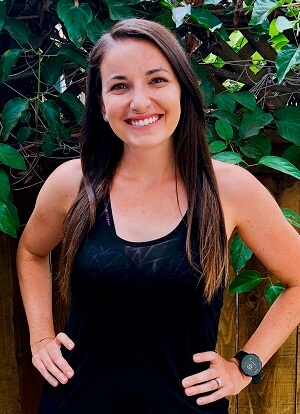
103 110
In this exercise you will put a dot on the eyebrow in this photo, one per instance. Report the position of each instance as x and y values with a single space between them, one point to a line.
148 73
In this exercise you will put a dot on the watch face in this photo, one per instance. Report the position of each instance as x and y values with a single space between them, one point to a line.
251 365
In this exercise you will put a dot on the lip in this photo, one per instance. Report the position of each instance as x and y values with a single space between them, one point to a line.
142 118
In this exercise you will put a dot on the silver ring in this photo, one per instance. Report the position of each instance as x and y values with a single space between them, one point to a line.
218 381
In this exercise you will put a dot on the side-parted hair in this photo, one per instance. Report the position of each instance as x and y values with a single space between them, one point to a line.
101 151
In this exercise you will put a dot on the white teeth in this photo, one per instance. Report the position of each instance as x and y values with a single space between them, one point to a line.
144 122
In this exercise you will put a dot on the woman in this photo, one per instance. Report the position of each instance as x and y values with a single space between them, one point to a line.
144 218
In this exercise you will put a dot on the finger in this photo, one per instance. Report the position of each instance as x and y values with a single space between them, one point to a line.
217 395
39 365
199 378
63 339
61 363
53 369
210 356
202 388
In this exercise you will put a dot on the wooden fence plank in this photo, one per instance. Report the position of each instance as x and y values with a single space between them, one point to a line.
9 385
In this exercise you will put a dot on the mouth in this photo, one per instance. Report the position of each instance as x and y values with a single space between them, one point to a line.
144 122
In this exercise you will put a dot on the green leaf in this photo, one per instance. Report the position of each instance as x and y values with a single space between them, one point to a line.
207 20
52 69
273 31
240 254
282 23
292 217
280 164
217 146
4 186
224 129
164 17
253 122
287 56
2 13
167 4
23 134
227 116
18 30
261 10
74 55
225 102
48 145
245 281
95 30
273 291
292 154
75 17
51 113
228 156
118 10
74 104
179 13
258 147
11 114
288 123
7 222
7 61
11 157
246 99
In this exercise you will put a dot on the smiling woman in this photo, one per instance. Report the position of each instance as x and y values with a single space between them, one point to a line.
141 102
144 218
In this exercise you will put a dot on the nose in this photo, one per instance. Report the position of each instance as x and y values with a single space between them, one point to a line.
140 100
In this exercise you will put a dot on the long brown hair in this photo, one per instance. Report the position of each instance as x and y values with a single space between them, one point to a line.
101 151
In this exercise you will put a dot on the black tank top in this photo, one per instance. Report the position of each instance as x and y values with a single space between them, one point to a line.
137 316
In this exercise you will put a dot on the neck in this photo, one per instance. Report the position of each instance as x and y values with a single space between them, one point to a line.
149 166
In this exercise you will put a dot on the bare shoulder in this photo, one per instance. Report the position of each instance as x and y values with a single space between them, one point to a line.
44 228
250 208
61 187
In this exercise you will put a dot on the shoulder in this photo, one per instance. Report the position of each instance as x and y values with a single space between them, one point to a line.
62 186
244 199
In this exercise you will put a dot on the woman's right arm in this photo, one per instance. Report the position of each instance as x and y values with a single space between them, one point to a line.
41 234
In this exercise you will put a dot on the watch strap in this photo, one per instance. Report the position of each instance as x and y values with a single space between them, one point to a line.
256 379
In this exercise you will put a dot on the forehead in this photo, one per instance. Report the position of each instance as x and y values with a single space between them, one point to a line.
132 55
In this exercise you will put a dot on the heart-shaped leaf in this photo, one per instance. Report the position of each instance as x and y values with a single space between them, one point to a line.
287 57
7 61
245 281
239 254
273 291
11 157
12 112
76 17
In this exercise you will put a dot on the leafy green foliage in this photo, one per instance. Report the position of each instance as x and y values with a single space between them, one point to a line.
287 57
245 281
76 17
240 254
12 113
7 61
273 291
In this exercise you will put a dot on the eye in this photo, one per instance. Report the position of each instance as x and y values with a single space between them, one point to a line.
159 80
118 87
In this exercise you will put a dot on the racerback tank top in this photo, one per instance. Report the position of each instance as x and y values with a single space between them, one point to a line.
137 316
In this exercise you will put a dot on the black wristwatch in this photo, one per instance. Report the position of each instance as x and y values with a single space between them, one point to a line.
250 365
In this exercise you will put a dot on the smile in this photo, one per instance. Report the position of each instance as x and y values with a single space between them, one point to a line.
144 122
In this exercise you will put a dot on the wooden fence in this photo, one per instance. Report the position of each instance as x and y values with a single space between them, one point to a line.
278 393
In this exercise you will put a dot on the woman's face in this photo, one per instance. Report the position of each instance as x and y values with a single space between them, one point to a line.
140 94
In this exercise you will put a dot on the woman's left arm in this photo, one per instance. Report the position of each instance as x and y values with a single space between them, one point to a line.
251 209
